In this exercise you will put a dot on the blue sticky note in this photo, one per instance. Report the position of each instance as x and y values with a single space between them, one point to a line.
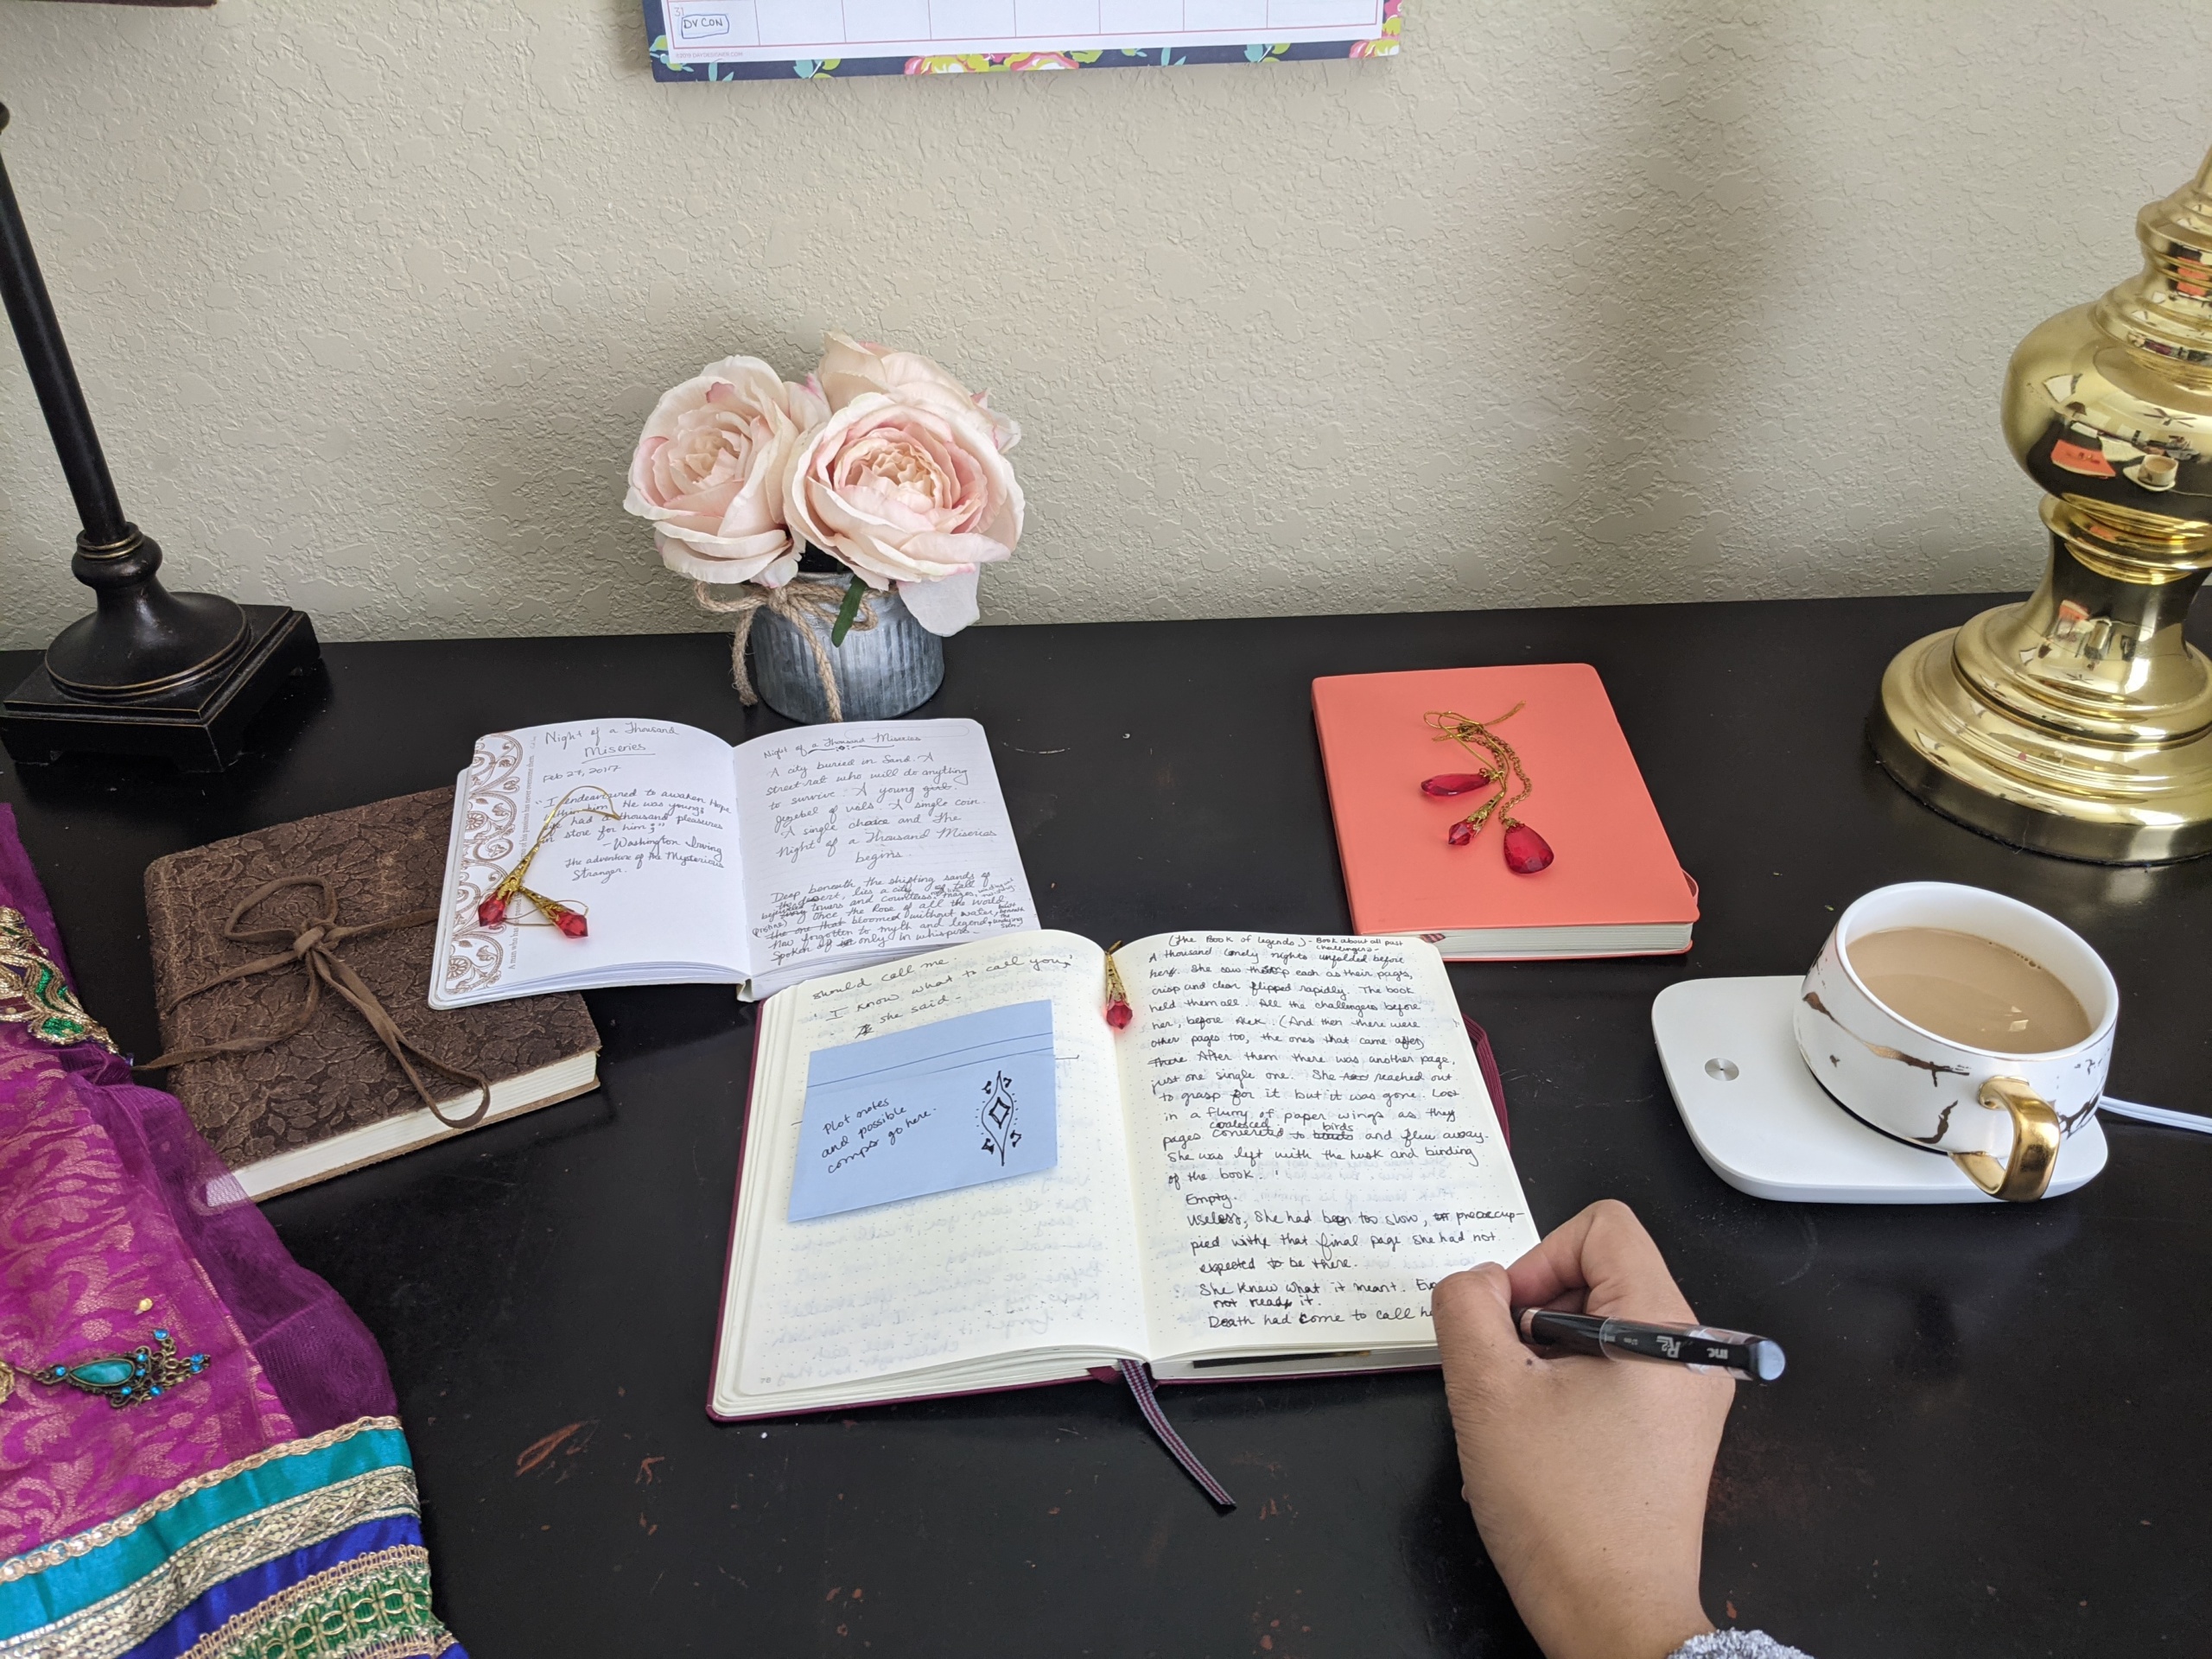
953 1103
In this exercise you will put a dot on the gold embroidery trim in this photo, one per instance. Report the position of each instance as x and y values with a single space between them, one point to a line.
375 1607
61 1550
34 994
135 1613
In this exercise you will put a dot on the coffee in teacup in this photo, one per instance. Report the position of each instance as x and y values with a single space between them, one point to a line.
1969 990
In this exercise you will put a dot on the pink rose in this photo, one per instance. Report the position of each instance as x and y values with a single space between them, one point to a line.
907 485
850 368
710 472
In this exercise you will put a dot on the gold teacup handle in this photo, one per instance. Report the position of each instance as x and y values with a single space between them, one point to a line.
2035 1144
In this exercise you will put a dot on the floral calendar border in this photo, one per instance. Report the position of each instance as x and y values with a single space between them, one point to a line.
997 63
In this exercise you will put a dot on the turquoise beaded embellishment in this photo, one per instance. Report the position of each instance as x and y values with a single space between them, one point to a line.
128 1379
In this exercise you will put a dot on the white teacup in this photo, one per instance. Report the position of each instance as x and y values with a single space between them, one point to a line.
2000 1117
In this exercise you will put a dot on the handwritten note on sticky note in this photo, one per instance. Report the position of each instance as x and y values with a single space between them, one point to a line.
950 1104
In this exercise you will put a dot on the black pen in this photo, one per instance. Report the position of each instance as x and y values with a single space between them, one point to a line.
1752 1359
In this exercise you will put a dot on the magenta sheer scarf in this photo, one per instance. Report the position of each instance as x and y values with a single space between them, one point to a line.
110 1199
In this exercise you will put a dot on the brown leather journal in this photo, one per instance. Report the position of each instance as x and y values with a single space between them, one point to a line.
334 1095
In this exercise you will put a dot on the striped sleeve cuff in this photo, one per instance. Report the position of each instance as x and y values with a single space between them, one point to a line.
1735 1644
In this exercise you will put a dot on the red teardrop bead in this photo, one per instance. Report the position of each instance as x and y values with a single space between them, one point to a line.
1455 783
572 922
1460 833
1526 852
1118 1014
493 910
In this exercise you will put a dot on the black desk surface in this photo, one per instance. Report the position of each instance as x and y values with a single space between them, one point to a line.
1992 1438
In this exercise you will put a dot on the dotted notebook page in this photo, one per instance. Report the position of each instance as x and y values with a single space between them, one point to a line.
733 31
1313 1144
1043 1261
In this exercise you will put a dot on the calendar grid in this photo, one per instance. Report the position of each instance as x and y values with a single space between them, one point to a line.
723 40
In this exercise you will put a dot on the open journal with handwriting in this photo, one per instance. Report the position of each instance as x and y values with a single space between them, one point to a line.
1264 1174
803 852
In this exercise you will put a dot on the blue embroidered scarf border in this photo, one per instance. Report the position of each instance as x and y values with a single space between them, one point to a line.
309 1550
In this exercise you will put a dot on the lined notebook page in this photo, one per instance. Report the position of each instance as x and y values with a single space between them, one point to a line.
1313 1145
874 838
1045 1260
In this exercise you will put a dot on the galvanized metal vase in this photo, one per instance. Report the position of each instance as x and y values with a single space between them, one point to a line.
881 671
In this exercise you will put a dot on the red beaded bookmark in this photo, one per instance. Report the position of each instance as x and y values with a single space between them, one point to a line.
1117 995
569 917
1526 852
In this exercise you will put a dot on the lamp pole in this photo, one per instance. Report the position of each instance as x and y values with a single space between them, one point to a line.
148 671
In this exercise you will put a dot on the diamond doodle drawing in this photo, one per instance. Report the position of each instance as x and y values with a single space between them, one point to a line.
1000 1136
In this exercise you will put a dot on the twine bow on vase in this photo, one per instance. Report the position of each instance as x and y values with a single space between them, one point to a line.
311 947
803 605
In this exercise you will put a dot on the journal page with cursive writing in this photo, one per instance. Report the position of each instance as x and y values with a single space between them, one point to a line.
1313 1148
1265 1173
641 852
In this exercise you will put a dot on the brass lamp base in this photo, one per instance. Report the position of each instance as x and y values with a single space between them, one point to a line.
2080 723
2023 782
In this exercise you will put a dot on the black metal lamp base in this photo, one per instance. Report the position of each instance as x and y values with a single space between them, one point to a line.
177 675
198 725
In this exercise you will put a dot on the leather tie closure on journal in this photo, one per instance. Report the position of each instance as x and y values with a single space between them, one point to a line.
311 947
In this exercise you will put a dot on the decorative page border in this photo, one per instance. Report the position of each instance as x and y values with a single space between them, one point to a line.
494 791
994 63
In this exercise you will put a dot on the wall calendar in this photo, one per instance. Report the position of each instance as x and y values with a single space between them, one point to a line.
756 40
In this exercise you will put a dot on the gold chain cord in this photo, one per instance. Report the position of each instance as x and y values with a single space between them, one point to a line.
1478 739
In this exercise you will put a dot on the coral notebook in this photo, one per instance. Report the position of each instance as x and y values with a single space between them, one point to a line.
1613 888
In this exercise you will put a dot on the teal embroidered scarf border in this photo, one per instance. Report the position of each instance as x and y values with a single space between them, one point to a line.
117 1588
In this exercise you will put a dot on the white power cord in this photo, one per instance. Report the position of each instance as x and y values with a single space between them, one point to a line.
2160 1115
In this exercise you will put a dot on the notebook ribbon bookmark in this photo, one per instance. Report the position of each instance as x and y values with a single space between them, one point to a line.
310 946
1138 1375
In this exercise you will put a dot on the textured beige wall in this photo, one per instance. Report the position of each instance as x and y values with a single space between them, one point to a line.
1569 302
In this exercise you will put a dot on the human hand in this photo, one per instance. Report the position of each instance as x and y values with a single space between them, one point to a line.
1588 1475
